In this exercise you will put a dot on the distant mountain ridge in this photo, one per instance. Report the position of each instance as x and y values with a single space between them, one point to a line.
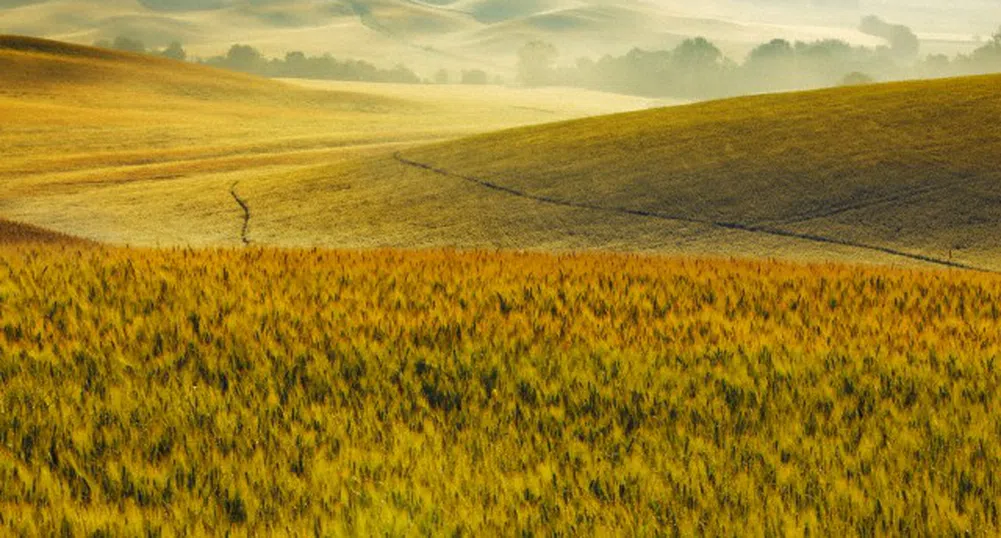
428 36
454 34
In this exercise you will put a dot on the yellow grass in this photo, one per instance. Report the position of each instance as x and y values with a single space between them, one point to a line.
261 391
908 167
132 150
12 233
138 150
325 393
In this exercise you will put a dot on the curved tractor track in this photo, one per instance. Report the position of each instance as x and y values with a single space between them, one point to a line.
745 227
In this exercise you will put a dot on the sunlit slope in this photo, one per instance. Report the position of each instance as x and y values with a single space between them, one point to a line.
133 149
379 201
15 233
76 106
908 167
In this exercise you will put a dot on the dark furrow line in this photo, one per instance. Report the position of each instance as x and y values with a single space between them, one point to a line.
753 228
894 197
543 199
846 208
246 214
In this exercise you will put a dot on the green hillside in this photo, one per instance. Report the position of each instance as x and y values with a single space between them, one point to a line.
910 168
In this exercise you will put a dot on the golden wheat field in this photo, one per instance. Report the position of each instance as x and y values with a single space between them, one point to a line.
468 393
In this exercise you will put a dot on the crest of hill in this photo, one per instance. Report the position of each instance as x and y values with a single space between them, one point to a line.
910 167
13 233
38 67
54 48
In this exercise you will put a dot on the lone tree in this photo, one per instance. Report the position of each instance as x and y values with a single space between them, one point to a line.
475 76
777 53
697 64
536 63
989 55
697 54
129 45
244 58
175 51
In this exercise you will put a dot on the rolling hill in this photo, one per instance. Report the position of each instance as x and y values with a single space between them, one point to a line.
16 233
132 149
898 173
911 167
295 392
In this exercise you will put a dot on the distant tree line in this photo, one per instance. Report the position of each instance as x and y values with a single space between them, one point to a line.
247 59
174 51
697 69
466 76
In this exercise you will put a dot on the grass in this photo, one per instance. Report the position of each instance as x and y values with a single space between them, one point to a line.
310 392
133 149
870 174
866 174
909 167
16 233
324 393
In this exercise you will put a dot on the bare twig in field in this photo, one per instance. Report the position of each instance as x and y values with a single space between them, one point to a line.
246 214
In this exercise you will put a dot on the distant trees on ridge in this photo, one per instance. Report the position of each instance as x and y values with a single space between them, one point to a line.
697 69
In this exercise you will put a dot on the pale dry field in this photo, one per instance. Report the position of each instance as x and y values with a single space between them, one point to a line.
130 150
134 150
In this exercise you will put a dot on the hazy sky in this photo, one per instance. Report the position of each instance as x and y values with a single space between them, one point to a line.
978 15
487 30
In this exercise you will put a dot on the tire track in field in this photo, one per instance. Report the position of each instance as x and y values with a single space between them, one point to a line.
864 204
739 226
246 213
894 197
